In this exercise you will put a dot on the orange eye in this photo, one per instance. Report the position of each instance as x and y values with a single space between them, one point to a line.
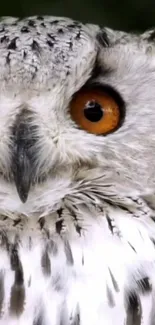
95 111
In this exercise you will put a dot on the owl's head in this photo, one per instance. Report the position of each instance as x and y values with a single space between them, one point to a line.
76 112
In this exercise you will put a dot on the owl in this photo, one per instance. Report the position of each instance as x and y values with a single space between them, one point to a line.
77 174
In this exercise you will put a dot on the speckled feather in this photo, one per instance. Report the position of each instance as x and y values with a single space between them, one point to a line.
80 250
33 50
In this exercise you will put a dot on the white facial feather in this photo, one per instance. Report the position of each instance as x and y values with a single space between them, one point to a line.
80 249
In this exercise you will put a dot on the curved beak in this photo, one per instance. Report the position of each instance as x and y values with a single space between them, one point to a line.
23 157
22 173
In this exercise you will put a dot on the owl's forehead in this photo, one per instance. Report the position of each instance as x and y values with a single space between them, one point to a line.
39 52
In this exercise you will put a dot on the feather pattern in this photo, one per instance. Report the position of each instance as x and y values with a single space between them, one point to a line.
66 269
77 211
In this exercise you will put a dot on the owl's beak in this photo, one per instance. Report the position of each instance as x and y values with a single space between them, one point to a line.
22 173
22 157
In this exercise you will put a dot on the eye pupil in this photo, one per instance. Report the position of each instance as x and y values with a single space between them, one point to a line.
93 111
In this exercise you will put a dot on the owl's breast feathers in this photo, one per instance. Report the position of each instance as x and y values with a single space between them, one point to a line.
83 264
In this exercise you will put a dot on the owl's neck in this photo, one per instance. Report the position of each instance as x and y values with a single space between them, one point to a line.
55 262
77 214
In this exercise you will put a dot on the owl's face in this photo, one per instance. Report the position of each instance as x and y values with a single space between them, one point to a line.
76 112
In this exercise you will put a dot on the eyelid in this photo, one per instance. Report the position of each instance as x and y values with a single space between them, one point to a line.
111 90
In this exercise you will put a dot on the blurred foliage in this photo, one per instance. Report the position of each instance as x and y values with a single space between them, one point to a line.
120 14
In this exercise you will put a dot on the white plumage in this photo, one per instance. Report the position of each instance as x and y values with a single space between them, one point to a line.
77 209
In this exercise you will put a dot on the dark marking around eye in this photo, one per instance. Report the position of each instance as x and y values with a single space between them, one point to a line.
100 69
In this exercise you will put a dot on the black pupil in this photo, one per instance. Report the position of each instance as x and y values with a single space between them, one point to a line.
93 111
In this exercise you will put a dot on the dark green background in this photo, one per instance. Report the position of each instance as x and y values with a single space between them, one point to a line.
121 14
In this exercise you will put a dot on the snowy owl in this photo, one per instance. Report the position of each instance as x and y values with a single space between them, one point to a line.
77 174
